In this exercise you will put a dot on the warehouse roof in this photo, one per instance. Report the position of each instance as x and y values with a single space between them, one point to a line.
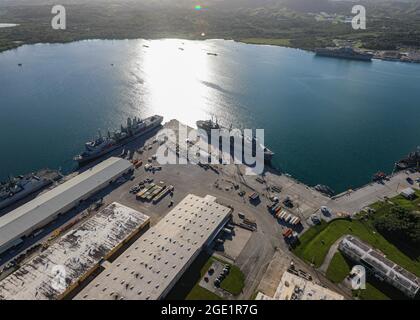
158 258
293 287
78 251
17 222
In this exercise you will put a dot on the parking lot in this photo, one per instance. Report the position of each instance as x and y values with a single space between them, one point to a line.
212 279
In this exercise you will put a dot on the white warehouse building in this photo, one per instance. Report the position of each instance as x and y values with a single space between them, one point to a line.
45 208
152 265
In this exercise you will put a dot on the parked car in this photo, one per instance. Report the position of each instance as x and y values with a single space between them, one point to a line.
325 211
315 219
288 202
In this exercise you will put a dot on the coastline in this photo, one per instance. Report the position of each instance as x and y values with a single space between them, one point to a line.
284 43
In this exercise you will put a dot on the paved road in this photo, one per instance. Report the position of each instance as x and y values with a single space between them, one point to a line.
354 201
333 249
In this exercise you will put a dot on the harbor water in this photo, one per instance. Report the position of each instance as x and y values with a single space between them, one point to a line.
329 121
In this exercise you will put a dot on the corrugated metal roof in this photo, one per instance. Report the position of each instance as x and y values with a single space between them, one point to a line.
77 252
152 264
16 223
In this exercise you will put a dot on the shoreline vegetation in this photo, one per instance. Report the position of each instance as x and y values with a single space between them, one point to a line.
301 24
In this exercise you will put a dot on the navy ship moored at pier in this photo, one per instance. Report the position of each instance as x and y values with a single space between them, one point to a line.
344 53
209 125
102 145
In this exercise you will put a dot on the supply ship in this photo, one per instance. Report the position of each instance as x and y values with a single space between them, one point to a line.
17 188
102 145
247 142
344 53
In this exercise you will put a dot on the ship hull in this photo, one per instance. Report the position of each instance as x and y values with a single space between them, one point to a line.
21 195
268 155
358 58
84 160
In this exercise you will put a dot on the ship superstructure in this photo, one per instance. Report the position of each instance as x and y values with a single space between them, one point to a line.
247 142
344 53
134 128
411 161
17 188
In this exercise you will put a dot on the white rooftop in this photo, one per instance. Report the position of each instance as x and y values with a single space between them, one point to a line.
17 222
408 192
78 251
293 287
380 263
151 266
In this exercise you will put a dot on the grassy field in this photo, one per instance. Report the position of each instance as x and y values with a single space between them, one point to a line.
338 268
234 282
290 24
187 287
274 42
315 243
370 293
199 293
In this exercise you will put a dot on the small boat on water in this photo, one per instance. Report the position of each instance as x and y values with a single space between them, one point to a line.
379 176
212 54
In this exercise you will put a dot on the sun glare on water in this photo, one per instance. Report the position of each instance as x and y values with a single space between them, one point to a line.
174 71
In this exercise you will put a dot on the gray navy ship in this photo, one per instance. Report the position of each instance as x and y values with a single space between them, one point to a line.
102 145
209 125
17 188
411 161
344 53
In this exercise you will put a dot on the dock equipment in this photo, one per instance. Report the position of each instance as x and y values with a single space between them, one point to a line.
274 207
144 190
146 194
283 214
293 220
249 221
154 193
162 194
254 196
287 233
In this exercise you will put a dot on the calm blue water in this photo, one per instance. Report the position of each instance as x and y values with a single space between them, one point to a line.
329 121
